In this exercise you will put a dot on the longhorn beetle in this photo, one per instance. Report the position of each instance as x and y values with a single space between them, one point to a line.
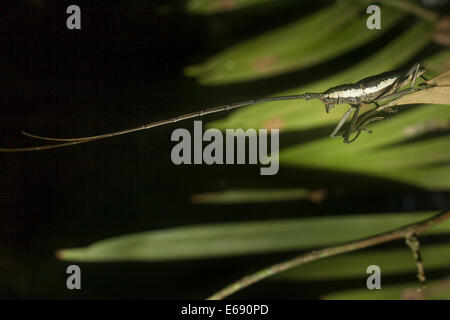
368 90
365 91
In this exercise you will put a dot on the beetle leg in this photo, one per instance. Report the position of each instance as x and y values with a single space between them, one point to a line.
415 76
367 114
397 94
341 122
354 138
328 107
368 121
392 103
351 127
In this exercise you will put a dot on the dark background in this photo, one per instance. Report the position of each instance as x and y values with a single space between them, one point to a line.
122 69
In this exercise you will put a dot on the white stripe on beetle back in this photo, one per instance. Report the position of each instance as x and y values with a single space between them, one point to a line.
382 85
359 92
346 93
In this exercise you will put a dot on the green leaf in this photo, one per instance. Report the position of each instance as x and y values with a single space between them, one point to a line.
319 37
438 63
236 196
218 6
242 238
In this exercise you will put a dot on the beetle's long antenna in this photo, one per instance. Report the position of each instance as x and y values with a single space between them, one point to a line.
73 141
38 148
400 81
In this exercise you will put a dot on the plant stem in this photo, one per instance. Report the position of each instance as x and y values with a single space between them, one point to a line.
402 232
